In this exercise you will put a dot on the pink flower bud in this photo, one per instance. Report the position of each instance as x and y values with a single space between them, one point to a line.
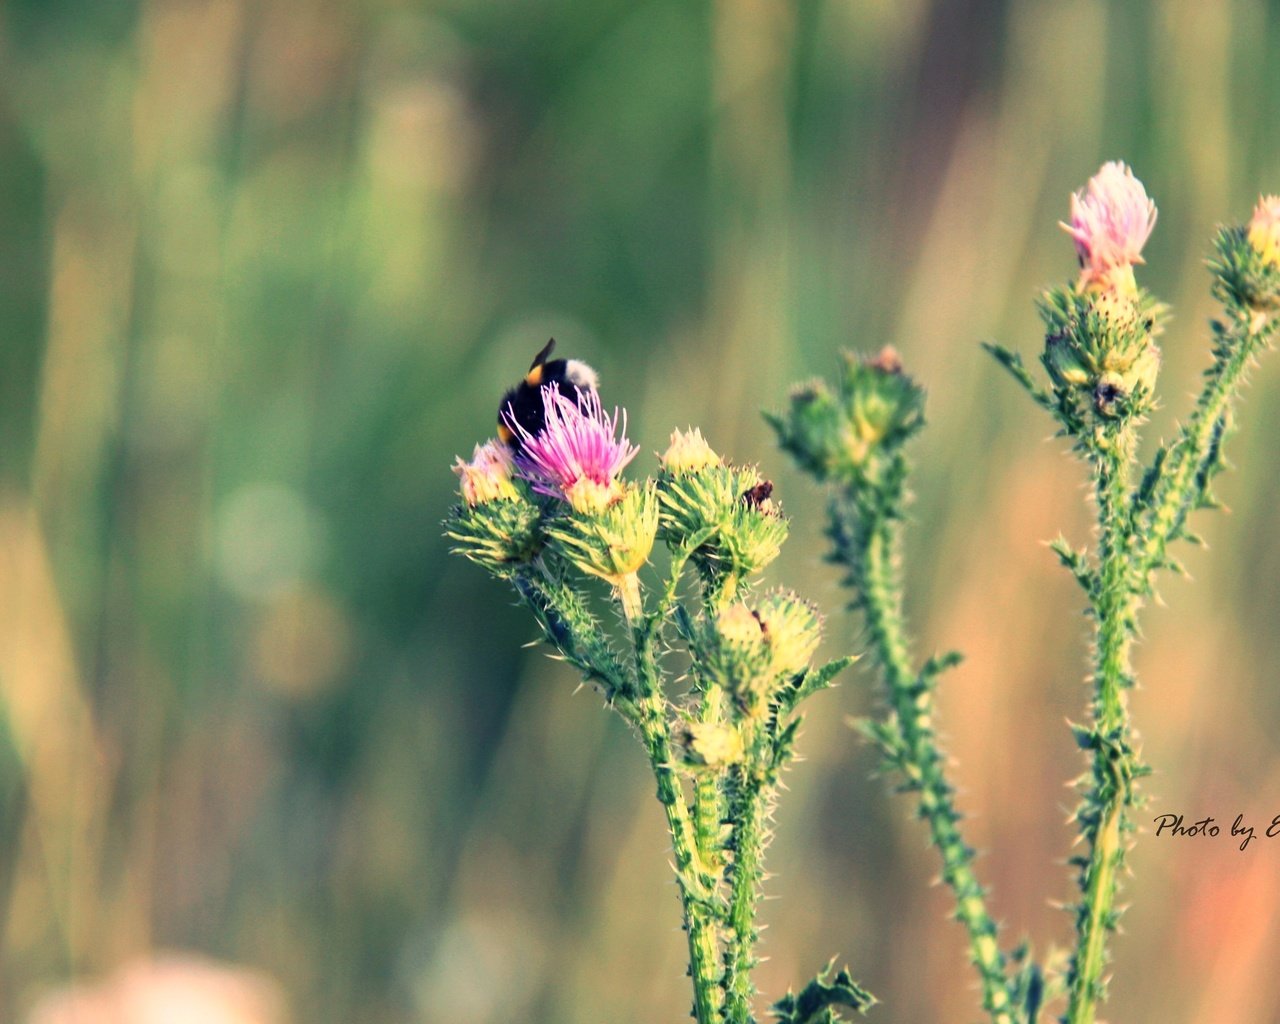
1111 219
1264 230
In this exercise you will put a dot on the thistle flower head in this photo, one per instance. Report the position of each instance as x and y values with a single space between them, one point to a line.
1111 219
579 452
1100 350
614 542
1264 230
487 477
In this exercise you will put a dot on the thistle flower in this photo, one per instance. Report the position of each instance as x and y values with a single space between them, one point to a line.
577 455
487 477
1111 219
1264 230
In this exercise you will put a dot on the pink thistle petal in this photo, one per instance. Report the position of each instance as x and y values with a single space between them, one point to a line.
1111 219
577 443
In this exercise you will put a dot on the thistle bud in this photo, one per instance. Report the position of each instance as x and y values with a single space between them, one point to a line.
497 534
1099 350
1264 231
488 476
1247 260
613 543
731 508
735 654
878 407
792 629
709 745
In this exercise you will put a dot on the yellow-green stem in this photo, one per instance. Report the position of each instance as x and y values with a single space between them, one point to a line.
1175 493
1111 787
747 811
697 888
628 589
913 708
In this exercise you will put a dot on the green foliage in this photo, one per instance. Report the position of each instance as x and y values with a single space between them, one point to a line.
817 1002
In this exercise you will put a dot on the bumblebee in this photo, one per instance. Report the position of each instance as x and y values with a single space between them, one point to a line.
523 403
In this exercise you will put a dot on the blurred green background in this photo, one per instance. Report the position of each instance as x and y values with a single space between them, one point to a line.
267 267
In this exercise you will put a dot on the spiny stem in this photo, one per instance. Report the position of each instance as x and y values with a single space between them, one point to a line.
708 803
747 799
697 887
1103 815
918 756
1181 480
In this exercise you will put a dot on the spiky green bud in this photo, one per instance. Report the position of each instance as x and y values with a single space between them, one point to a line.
497 535
841 435
613 543
735 654
1246 262
731 508
792 629
1100 351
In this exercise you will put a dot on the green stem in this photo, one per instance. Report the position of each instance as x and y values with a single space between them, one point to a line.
628 588
708 804
916 752
1182 476
746 811
1104 814
571 627
697 884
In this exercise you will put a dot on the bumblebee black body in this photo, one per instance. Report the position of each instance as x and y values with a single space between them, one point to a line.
522 404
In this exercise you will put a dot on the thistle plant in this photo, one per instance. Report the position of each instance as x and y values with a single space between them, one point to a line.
1101 360
549 511
554 517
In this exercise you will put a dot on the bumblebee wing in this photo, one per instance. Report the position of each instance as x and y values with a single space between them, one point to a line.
543 356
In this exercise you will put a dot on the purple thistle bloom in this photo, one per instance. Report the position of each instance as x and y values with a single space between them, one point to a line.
1111 219
575 456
